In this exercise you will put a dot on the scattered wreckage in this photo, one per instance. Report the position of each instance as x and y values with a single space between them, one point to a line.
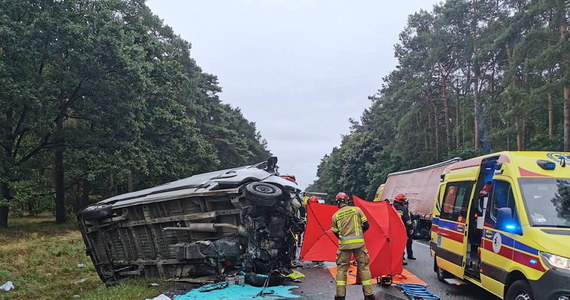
200 229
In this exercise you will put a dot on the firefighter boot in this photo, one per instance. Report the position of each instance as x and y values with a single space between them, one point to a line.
369 297
339 298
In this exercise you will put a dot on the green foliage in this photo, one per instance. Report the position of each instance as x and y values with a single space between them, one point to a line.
494 64
111 89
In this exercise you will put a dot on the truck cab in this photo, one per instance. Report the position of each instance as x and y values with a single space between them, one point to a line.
502 222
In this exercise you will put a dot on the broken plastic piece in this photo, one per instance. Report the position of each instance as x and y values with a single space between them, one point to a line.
160 297
296 275
213 286
7 286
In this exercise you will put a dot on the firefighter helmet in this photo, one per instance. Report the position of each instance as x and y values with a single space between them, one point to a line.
342 197
400 198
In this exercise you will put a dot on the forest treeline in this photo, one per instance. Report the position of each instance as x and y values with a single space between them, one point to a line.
99 98
472 77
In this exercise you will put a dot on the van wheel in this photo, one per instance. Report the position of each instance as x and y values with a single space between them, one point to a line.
441 273
519 290
263 194
97 212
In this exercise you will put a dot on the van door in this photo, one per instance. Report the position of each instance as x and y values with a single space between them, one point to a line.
497 243
451 227
476 217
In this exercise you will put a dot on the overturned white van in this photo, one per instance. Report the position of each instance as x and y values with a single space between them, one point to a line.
198 229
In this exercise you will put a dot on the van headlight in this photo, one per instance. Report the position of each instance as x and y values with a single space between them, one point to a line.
555 261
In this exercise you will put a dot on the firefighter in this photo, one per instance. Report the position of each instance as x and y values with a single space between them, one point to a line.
349 225
401 206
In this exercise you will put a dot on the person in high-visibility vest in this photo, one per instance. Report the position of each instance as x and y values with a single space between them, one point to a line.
349 225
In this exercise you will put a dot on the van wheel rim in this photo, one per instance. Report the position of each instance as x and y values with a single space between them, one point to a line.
264 189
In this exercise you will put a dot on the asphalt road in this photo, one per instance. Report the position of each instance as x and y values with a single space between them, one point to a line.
423 268
318 284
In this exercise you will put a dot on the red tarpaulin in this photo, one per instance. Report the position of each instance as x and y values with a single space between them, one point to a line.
385 240
319 243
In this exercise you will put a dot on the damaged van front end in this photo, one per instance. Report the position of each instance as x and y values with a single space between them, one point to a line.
199 229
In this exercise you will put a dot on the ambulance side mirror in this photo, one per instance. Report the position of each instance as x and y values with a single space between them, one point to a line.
506 221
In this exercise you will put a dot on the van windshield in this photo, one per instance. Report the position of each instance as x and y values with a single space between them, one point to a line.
547 201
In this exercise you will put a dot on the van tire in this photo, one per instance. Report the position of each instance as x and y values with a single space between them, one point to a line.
263 194
519 290
441 273
97 212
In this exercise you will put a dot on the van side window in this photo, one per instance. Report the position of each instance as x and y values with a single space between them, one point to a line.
501 196
456 200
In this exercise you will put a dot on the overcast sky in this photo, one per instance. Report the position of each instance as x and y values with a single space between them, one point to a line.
299 69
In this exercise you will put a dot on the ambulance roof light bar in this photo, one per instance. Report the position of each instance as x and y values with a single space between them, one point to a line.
546 164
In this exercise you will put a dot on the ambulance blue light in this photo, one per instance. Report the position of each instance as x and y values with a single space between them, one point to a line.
546 164
533 261
510 226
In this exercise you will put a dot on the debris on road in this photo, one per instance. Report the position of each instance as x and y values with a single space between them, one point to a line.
213 286
160 297
296 275
7 286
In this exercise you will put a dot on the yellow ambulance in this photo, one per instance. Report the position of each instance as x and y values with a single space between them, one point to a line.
502 222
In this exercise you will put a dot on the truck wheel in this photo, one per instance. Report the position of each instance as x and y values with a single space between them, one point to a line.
263 194
519 290
441 273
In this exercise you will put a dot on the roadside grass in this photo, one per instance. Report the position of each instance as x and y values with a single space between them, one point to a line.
44 261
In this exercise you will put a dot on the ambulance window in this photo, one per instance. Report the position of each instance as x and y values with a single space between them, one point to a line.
501 196
456 200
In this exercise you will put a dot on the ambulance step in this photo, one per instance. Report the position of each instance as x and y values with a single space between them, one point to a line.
454 281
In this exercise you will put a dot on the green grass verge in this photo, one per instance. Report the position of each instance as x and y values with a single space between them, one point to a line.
41 259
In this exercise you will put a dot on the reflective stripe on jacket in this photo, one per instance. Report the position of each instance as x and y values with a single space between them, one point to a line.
347 223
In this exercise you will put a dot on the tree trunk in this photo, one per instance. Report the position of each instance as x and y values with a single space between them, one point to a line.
4 209
430 129
550 115
83 200
443 83
112 186
567 118
130 181
476 112
563 32
436 132
457 125
519 129
58 175
4 216
475 70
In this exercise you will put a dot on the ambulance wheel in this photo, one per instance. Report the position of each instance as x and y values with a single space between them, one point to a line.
441 273
519 290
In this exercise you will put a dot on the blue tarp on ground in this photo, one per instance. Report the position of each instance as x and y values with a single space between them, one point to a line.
241 292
